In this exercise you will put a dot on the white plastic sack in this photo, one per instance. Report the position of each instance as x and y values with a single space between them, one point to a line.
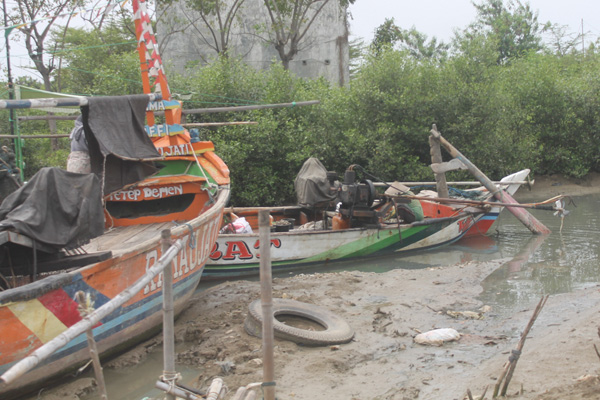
437 337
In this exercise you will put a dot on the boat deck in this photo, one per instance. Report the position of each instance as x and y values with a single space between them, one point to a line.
114 242
120 239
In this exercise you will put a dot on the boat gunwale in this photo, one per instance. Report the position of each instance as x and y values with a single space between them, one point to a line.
52 282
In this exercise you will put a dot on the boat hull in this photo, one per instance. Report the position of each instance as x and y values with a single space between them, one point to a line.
484 222
34 314
237 255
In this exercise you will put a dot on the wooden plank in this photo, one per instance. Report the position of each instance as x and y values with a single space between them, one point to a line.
17 238
452 165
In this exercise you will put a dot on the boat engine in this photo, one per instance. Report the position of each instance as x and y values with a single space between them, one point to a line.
354 199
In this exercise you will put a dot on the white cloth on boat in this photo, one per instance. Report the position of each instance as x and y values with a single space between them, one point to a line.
240 225
79 162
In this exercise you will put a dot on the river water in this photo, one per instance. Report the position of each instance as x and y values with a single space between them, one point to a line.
532 266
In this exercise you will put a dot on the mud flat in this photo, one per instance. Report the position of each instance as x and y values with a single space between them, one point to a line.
382 361
386 311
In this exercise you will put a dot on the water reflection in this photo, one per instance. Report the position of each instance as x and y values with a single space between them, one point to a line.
560 262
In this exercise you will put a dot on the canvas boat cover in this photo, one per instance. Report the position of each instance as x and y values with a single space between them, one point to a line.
64 209
312 186
57 208
114 129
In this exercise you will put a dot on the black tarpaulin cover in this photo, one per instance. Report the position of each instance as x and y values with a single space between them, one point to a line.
312 186
57 208
114 129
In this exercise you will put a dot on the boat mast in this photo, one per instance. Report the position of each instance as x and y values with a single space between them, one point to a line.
171 133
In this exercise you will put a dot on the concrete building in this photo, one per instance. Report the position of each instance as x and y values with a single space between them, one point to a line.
185 40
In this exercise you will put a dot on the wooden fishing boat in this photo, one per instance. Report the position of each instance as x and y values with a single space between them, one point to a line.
99 233
510 184
313 235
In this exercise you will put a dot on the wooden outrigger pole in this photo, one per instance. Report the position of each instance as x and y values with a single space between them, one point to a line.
522 215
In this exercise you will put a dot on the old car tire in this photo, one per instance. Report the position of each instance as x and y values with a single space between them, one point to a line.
336 329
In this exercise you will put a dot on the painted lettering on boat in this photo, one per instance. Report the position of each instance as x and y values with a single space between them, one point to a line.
192 256
146 193
177 150
160 130
162 105
239 249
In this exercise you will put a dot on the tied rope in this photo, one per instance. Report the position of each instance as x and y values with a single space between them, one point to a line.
192 242
514 356
171 379
208 182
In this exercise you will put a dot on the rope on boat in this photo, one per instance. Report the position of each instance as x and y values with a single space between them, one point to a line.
208 182
192 243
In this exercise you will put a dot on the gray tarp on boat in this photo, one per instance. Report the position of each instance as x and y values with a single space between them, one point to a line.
313 189
64 209
114 129
56 207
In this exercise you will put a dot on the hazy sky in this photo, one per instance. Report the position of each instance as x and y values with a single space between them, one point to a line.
433 17
439 17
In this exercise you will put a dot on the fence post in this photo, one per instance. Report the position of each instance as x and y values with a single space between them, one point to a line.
84 310
169 374
266 296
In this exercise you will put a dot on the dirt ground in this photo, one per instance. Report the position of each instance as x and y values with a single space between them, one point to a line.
386 311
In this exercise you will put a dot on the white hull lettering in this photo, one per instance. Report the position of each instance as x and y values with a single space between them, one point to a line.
187 259
146 193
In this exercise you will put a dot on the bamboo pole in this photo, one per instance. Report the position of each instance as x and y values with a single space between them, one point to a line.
522 215
48 117
267 305
482 202
46 350
35 136
169 374
454 183
510 366
214 391
209 124
176 391
246 108
84 310
56 102
213 110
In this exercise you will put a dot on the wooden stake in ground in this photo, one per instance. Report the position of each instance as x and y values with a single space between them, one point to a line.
509 367
266 296
86 308
169 375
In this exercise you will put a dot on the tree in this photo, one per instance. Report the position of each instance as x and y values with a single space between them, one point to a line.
411 40
357 52
218 16
38 18
386 35
514 27
290 20
561 41
100 61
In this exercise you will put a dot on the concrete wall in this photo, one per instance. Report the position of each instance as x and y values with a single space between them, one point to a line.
323 52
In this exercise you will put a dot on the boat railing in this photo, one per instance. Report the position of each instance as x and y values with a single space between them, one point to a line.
86 324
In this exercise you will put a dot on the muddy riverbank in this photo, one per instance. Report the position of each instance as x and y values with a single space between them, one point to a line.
386 311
